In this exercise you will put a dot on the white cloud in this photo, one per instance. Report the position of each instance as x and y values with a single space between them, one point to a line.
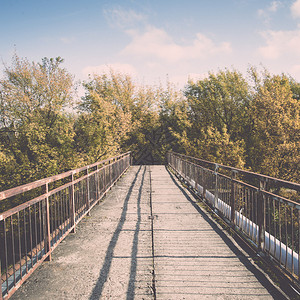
155 42
295 9
122 18
106 68
274 6
266 13
279 43
67 40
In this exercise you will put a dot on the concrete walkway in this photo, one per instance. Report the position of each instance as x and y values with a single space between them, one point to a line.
111 254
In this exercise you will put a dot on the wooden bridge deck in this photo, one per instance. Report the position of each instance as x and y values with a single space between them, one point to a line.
148 239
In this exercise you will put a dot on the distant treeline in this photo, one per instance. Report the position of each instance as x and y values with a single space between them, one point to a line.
249 122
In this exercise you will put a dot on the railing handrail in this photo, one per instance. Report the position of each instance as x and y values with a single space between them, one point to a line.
30 231
268 222
284 183
38 183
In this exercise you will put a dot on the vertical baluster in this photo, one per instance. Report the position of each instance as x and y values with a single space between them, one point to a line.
110 173
20 245
292 233
286 234
105 181
5 254
55 217
25 241
97 182
35 233
247 210
13 248
252 214
47 227
60 215
88 191
269 221
216 187
40 229
63 209
280 235
275 231
30 230
0 281
72 204
232 199
298 237
261 216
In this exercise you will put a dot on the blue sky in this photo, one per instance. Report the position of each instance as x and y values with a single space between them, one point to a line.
154 39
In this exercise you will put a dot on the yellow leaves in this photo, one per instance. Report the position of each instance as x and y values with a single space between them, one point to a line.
277 129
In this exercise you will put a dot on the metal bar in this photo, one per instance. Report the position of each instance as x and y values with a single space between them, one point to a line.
13 248
39 183
216 187
269 222
5 254
88 191
20 246
280 235
48 234
287 184
298 219
261 217
274 218
232 199
286 236
292 233
0 281
25 241
72 205
30 235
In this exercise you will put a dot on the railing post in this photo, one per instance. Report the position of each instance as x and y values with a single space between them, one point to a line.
72 205
261 216
196 177
97 183
0 281
104 178
110 173
47 225
204 185
88 191
232 198
216 187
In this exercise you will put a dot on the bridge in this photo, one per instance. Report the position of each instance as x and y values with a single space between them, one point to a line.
191 229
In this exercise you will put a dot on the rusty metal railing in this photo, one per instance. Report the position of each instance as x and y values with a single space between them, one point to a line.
252 203
32 229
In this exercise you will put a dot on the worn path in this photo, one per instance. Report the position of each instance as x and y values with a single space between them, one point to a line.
111 254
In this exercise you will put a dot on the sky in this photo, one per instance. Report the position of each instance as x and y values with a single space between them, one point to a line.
154 40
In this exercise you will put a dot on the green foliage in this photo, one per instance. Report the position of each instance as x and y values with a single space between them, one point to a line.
106 113
35 131
275 115
223 118
218 111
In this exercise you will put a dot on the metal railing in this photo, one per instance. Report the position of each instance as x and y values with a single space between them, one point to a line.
252 203
31 230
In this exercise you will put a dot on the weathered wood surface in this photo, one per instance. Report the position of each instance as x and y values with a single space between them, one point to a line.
110 255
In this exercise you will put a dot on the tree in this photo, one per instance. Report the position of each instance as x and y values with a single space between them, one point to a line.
221 99
218 111
105 116
275 111
174 119
36 133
